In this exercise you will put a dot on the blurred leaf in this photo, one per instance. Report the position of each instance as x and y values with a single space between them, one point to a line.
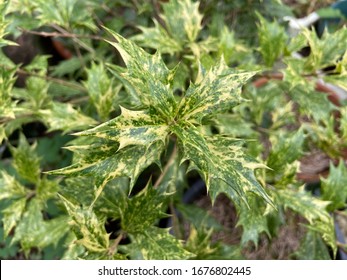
12 214
64 117
334 187
312 247
159 244
25 160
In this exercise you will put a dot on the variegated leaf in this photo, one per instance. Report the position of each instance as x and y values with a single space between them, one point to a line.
89 230
10 188
104 162
149 77
182 19
62 116
12 214
221 162
25 160
157 38
6 83
131 128
214 91
159 244
143 210
334 188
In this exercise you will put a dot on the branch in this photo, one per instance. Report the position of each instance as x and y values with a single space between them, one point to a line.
61 35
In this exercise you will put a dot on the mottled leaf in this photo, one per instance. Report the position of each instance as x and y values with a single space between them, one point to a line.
10 188
104 162
272 40
88 229
159 244
101 90
6 83
214 91
220 160
312 247
334 187
61 116
143 210
25 160
182 19
131 128
12 214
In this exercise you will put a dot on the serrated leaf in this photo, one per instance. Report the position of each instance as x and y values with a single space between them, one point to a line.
149 77
272 40
131 128
143 210
305 204
334 187
12 214
100 89
286 148
220 160
33 231
253 220
182 19
10 188
88 229
157 38
46 189
159 244
104 162
214 91
25 160
61 116
312 248
6 83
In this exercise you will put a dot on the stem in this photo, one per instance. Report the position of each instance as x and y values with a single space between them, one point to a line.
47 78
112 249
167 166
62 35
342 246
175 222
341 213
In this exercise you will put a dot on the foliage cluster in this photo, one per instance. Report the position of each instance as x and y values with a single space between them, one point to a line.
155 95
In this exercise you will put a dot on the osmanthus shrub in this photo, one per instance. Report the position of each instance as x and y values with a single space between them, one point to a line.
143 114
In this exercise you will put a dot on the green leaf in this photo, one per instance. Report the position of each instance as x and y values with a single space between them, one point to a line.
101 90
131 128
183 20
88 229
143 210
272 40
148 76
312 248
313 210
6 83
286 148
61 116
157 38
25 160
221 163
46 189
33 231
214 91
334 187
253 220
12 214
104 162
10 188
305 204
159 244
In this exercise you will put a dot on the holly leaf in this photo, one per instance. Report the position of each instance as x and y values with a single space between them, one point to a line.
89 230
334 187
103 162
213 92
220 160
148 76
143 210
7 80
158 244
12 214
25 160
62 116
131 128
10 188
312 248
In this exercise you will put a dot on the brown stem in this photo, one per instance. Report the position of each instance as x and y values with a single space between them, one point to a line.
112 249
61 35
